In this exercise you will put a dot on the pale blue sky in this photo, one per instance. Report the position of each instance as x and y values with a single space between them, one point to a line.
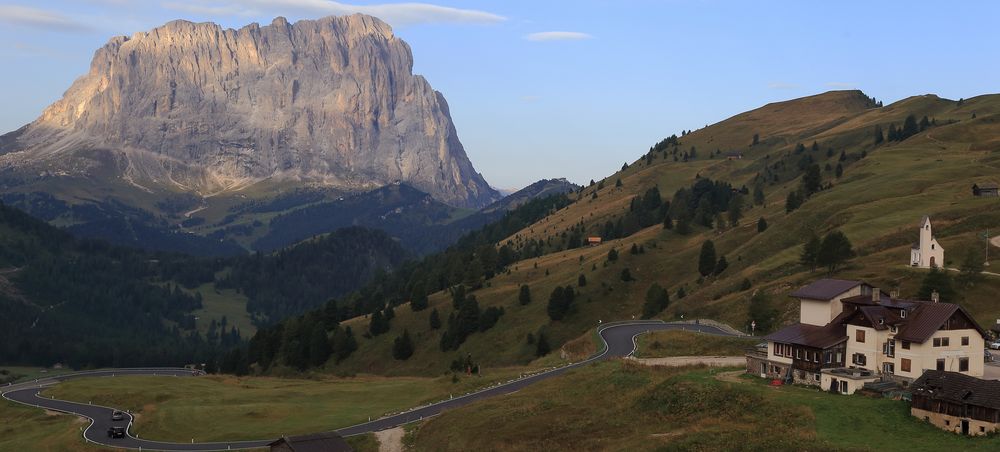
620 75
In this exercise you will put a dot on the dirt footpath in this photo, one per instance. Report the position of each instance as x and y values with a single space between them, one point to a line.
390 440
678 361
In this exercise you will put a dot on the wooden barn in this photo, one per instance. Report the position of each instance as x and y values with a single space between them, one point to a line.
956 402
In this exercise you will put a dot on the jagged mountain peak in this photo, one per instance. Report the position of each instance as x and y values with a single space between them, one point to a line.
201 108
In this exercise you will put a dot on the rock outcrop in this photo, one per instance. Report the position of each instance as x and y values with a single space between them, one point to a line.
198 108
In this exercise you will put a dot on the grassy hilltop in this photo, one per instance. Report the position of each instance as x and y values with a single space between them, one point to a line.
883 192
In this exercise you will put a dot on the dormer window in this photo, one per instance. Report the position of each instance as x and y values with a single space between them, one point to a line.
892 329
902 313
881 321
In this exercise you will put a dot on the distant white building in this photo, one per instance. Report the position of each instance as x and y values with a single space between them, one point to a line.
927 252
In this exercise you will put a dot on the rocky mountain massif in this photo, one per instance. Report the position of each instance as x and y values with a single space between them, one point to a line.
193 118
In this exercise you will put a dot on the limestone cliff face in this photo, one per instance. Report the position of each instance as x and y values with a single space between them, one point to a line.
201 108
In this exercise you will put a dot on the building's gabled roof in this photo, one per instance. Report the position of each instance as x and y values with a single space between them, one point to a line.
810 335
922 318
317 442
825 289
986 186
958 388
929 317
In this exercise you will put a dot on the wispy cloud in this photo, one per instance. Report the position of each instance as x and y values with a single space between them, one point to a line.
39 18
840 85
782 85
557 36
397 14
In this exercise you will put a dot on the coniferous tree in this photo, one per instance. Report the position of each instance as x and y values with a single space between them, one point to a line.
668 223
435 320
762 312
706 259
720 266
810 252
626 275
418 299
542 345
839 171
735 211
812 181
937 280
761 225
612 255
892 135
319 346
834 251
581 281
924 124
758 195
879 135
793 201
524 297
910 128
402 346
657 300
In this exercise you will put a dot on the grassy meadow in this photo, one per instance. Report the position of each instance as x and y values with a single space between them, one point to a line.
619 405
216 408
662 344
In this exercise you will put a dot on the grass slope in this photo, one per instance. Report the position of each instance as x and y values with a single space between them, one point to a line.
878 203
217 408
623 406
24 428
661 344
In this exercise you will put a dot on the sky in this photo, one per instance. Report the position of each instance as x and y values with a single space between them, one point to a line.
546 89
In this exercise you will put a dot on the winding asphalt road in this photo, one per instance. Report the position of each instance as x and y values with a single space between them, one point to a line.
619 340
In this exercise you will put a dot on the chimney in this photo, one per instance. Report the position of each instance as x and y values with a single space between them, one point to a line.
875 295
894 293
935 296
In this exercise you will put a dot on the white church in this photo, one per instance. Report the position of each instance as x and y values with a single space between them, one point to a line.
927 252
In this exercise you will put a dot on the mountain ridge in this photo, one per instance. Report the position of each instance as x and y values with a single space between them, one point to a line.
197 108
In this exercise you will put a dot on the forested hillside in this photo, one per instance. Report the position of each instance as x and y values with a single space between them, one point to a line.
721 222
86 303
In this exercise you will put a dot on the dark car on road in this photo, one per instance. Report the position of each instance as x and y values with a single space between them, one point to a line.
117 416
116 432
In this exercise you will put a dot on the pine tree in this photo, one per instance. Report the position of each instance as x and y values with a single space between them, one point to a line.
612 255
924 124
910 128
815 146
735 211
435 320
937 280
581 281
706 259
758 195
834 251
657 300
756 139
893 135
668 223
542 345
762 312
418 299
812 180
879 135
402 346
761 225
524 297
839 171
720 266
792 202
810 252
626 275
